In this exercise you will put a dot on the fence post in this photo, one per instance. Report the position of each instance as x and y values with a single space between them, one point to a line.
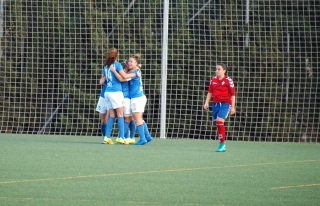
1 24
164 63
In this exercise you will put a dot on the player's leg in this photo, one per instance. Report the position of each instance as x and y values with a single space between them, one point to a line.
137 107
133 128
146 129
107 116
103 124
221 117
101 108
137 116
117 102
119 111
109 120
128 139
127 120
111 113
146 132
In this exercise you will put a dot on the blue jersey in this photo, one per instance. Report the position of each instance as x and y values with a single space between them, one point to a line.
125 89
113 84
104 85
136 88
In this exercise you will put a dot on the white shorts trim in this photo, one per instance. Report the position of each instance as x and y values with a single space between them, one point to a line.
138 104
114 99
102 106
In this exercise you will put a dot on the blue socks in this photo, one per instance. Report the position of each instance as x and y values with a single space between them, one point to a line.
103 129
142 140
141 132
121 126
126 129
146 130
133 129
109 127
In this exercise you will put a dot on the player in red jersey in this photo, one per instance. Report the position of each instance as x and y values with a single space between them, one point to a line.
223 94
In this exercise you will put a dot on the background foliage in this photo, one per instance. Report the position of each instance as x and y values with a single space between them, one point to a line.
53 54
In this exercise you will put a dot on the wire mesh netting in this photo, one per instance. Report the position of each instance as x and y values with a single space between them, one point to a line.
52 55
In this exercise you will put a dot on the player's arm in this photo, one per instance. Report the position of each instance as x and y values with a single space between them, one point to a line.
233 103
232 92
127 76
102 80
209 96
137 71
206 104
119 77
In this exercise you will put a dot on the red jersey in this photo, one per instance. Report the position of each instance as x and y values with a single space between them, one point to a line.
222 90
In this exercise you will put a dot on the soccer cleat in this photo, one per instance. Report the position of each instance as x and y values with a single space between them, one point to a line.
222 147
120 140
107 140
129 141
141 142
149 139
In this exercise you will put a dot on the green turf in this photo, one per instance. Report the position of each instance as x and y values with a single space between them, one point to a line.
69 170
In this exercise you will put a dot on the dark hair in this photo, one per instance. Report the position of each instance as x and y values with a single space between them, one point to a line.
111 57
224 67
125 65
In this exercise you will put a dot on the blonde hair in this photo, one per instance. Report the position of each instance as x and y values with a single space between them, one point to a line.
111 57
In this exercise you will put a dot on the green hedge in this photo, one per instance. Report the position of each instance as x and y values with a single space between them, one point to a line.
64 43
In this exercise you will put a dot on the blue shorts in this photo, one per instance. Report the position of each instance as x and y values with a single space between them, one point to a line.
220 110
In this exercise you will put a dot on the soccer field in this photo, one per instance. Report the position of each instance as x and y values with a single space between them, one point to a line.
78 170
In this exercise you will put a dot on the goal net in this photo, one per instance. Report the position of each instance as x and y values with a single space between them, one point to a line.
52 54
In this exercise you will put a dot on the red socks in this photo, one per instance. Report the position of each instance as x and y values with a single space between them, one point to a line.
221 131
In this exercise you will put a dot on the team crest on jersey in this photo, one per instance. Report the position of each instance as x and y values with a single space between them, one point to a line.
223 83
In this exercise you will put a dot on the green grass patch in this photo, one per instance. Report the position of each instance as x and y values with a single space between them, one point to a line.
73 170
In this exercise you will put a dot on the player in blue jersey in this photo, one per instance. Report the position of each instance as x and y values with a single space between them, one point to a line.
129 123
114 95
129 119
127 110
102 106
138 100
